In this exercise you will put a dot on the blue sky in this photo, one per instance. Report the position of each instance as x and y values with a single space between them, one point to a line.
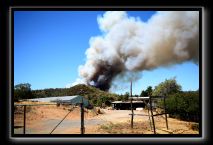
50 45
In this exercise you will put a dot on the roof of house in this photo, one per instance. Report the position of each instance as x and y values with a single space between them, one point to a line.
115 102
139 98
146 98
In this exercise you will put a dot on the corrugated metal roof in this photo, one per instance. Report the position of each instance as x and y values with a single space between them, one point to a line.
52 99
63 99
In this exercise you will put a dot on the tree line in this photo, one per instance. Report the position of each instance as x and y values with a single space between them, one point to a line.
180 104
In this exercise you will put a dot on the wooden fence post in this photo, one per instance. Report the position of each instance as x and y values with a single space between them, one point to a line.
149 119
165 112
82 117
24 129
153 122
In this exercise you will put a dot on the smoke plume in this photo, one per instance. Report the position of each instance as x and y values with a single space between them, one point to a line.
131 45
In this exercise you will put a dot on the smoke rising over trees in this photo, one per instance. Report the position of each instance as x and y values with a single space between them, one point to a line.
128 44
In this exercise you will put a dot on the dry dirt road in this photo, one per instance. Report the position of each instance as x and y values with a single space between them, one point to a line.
119 116
42 120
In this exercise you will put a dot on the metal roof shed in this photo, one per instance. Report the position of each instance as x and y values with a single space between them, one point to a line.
74 100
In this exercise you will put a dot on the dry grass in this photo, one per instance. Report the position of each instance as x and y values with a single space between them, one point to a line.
139 127
125 128
118 120
35 114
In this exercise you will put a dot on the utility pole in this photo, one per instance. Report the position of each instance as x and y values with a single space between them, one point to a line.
131 89
131 105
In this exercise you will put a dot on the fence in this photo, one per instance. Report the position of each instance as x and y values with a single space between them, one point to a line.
149 106
26 107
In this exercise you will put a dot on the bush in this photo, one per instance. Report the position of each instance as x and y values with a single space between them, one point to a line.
184 106
103 101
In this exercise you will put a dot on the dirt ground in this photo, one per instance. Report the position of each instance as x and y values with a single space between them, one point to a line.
43 119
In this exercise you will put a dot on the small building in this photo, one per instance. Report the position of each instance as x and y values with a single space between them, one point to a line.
146 99
119 105
138 102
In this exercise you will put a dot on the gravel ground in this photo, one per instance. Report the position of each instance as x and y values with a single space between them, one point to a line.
45 127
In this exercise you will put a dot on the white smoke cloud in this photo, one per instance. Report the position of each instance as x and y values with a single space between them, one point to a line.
78 81
129 44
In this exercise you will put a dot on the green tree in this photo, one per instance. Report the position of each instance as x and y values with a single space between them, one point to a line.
184 105
167 87
104 101
120 98
147 92
144 93
126 95
22 91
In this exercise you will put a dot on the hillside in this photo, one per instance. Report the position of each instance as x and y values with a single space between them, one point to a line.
93 94
81 89
88 91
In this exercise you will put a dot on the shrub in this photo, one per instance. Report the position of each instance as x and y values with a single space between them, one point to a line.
184 106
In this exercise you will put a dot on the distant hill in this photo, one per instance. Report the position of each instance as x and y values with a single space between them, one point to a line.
94 95
87 90
81 89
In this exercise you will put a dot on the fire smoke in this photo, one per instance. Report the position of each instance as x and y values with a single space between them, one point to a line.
131 45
